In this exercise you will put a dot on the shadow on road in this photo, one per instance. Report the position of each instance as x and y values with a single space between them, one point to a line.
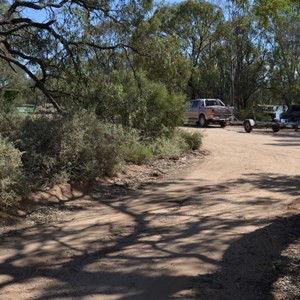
133 259
247 270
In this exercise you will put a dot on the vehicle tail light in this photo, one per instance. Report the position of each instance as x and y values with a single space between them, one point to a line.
212 112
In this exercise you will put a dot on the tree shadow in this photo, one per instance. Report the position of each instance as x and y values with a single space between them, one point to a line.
289 185
248 268
132 257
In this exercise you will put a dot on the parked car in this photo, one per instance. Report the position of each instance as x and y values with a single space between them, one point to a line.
205 111
292 114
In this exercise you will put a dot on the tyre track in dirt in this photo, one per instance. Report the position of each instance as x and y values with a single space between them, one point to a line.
175 239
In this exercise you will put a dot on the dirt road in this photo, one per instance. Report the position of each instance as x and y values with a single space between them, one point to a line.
215 231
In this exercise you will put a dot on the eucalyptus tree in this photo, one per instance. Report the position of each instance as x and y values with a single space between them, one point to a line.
162 60
198 27
279 19
43 47
246 68
285 58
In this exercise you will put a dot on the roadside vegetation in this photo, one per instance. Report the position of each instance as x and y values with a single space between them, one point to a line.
45 150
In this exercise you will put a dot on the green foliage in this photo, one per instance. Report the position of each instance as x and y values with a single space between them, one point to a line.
11 178
116 97
90 148
159 112
285 83
10 123
180 141
198 25
192 139
168 147
136 102
138 153
163 61
74 147
135 150
7 100
194 48
39 139
268 8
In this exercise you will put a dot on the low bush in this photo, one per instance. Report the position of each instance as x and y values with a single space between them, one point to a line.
192 139
138 153
39 140
11 177
176 144
168 147
90 148
74 147
80 147
134 149
10 123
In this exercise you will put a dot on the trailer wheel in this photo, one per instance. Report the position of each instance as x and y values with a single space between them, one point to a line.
247 126
223 124
275 128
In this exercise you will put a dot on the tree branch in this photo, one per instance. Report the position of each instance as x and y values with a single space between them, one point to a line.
39 84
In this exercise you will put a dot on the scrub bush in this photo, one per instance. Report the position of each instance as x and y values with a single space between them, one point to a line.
181 141
11 177
10 123
138 153
73 147
192 139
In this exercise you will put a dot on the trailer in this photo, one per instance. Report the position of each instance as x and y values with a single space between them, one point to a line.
250 124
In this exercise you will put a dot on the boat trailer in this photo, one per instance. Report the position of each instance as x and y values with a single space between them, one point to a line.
249 124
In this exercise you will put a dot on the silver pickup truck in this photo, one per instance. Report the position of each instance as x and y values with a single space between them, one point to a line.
205 111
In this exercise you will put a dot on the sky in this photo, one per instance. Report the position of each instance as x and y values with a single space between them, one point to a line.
41 16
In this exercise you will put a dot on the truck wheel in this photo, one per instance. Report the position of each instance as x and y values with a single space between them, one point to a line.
202 121
275 128
247 126
223 124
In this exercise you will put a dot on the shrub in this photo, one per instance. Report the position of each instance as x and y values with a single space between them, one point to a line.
160 111
80 147
192 139
74 147
134 150
11 178
136 101
10 123
178 143
138 153
171 146
90 148
39 140
168 147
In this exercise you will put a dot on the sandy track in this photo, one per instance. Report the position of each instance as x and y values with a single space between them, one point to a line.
212 232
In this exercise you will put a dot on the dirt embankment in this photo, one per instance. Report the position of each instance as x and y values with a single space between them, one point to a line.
222 227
